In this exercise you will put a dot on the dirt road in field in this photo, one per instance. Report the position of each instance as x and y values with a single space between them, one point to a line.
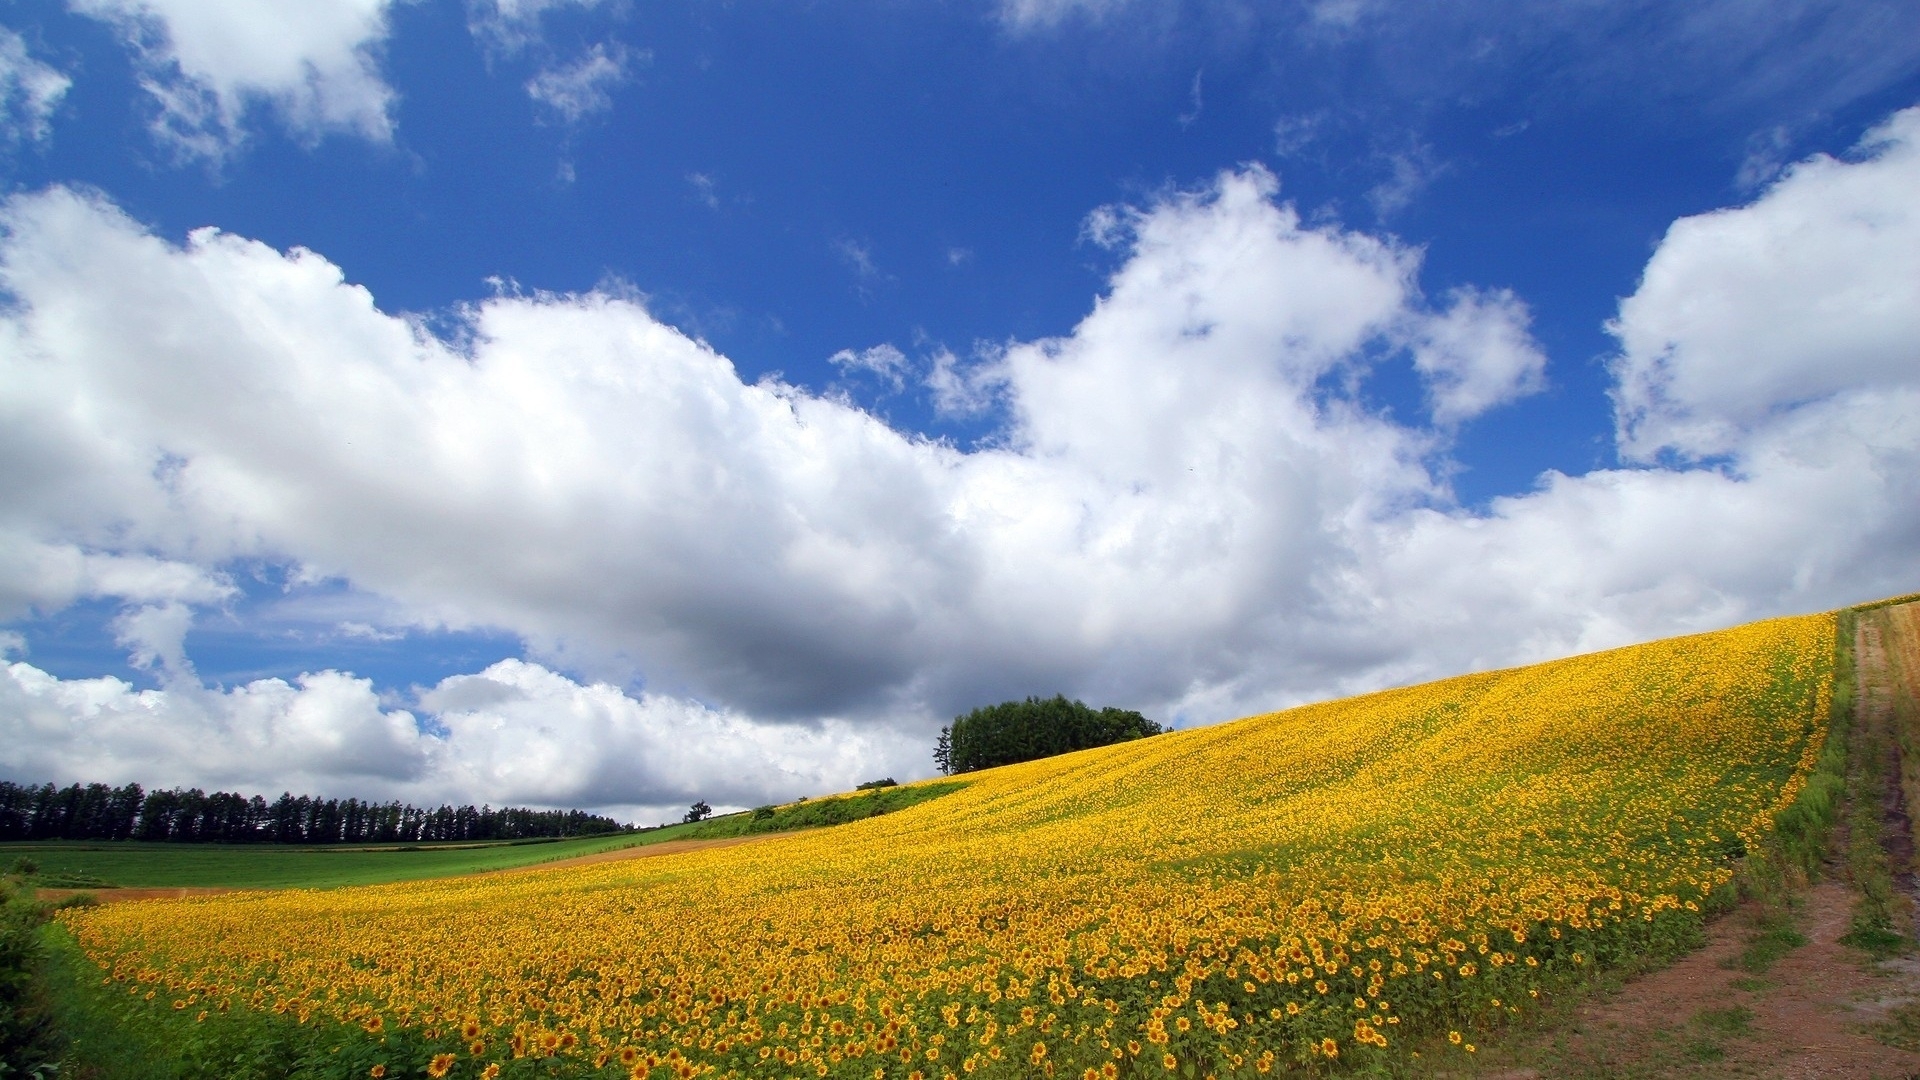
1823 1010
1812 1014
642 851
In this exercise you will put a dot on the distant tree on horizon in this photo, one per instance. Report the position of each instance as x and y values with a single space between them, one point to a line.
1015 731
699 811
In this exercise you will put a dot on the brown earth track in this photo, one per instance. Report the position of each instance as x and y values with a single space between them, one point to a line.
1807 1017
1817 1012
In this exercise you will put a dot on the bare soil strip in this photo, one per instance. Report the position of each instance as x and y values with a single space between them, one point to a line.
1810 1015
1823 1010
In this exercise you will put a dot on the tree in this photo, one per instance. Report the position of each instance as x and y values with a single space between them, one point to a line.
699 811
1035 728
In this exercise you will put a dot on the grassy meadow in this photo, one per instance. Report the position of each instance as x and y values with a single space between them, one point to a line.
133 864
1352 886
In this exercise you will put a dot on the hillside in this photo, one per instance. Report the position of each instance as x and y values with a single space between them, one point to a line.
1370 878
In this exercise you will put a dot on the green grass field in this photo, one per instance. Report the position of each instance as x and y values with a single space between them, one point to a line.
131 864
94 864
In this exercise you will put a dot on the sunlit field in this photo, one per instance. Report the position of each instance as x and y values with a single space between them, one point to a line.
1304 891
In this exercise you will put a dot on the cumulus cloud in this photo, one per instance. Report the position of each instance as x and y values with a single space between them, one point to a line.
1478 355
38 576
959 389
515 733
30 91
320 732
1187 507
207 62
1808 293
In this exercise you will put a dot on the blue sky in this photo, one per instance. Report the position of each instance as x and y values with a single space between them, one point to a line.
938 240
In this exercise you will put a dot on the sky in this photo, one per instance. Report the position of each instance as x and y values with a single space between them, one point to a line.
602 404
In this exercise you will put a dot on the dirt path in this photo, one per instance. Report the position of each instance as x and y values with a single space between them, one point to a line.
1808 1016
642 851
1822 1010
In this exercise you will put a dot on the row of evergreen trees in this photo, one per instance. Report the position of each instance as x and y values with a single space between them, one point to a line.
1035 728
100 812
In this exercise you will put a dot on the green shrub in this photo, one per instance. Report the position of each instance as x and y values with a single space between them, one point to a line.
1015 731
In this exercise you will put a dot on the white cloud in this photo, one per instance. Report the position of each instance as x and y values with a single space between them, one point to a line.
515 733
578 90
1409 171
207 62
1025 15
858 255
1812 291
1478 355
961 390
47 577
882 361
321 733
367 632
156 638
1293 134
29 91
1185 511
704 189
513 26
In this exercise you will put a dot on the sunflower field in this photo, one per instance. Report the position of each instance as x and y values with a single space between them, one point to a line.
1304 892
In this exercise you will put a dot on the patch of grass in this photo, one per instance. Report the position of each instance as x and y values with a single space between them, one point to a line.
136 864
1868 780
1901 1028
1750 985
1729 1023
1703 1050
27 1046
68 881
1774 939
97 1043
819 813
105 1034
1711 1028
1878 942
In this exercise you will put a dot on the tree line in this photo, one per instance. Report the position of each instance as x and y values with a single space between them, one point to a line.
102 812
1035 728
